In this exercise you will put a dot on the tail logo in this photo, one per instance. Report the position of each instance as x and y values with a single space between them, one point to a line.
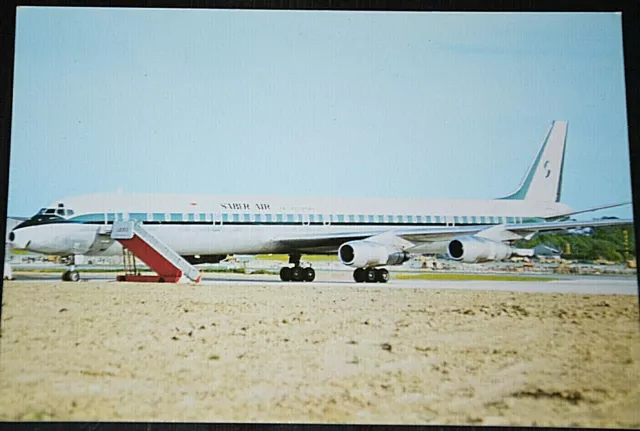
546 166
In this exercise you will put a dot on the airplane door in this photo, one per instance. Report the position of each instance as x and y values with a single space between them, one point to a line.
217 221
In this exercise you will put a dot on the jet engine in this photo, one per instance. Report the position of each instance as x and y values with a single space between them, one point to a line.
470 249
208 258
366 254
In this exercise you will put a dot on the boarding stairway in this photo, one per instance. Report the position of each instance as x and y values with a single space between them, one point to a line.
169 265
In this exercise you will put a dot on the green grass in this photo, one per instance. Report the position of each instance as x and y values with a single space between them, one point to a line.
142 270
232 270
61 270
261 272
470 277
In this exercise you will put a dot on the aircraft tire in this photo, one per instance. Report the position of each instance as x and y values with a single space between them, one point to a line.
358 275
285 273
296 274
65 276
370 275
382 275
74 276
309 274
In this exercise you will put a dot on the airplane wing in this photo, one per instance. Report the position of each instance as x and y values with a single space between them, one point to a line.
504 232
587 210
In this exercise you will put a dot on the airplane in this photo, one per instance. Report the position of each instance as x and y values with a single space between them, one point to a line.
367 234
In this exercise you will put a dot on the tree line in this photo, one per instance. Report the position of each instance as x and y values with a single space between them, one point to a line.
608 243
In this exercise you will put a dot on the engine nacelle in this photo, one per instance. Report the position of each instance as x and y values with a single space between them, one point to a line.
208 258
366 254
470 249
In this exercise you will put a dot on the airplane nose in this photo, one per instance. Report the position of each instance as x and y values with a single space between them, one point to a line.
18 240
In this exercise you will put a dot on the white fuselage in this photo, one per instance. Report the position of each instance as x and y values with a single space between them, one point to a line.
217 225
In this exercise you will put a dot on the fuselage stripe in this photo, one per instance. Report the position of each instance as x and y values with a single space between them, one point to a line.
284 219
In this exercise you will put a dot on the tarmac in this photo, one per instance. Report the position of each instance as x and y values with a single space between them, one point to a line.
593 285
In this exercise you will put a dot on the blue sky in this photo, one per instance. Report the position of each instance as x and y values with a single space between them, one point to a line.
420 105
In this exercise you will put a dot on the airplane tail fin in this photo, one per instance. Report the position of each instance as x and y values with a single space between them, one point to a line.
543 181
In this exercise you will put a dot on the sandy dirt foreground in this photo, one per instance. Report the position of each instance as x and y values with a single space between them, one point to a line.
298 353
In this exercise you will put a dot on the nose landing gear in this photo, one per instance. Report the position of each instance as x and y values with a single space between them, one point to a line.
297 273
371 275
71 274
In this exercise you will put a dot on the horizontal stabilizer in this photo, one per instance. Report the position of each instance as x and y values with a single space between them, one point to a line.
545 250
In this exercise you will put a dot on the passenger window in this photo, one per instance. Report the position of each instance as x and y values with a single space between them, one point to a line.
60 212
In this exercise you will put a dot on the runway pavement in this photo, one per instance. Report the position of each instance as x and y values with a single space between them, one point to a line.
562 284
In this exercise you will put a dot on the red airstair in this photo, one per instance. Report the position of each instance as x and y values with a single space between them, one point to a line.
169 266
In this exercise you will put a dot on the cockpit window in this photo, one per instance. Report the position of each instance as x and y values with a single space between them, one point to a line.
53 212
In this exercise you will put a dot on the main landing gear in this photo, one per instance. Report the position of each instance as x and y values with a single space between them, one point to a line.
71 274
371 275
297 273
